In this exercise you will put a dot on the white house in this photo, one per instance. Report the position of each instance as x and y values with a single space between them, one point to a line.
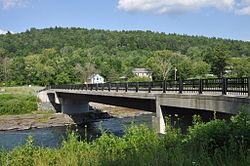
142 72
95 79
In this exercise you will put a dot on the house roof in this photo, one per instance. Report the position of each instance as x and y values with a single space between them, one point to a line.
141 70
93 75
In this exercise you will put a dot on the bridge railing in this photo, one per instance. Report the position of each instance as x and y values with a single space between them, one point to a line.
237 86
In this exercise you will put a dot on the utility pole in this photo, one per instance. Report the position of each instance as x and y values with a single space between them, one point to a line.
175 73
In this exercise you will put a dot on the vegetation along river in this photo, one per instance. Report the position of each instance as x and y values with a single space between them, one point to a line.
53 136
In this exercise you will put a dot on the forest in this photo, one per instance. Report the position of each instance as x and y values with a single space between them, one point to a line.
70 55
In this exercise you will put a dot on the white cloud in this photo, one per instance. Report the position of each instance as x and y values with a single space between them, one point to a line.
7 4
3 32
243 11
171 6
241 7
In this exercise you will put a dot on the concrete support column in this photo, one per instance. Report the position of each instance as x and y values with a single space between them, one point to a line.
74 106
159 119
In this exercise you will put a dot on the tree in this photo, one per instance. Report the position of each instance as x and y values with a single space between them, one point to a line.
5 63
239 67
200 69
36 72
86 71
217 58
160 62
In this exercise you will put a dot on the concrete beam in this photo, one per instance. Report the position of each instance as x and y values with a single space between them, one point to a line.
223 104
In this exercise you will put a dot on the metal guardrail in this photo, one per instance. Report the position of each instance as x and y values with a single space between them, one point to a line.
239 86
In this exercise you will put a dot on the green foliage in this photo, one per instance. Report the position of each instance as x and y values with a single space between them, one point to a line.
239 67
50 56
200 69
208 144
211 135
139 79
217 58
240 128
17 104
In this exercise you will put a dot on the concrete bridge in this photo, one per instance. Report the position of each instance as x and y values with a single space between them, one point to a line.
210 98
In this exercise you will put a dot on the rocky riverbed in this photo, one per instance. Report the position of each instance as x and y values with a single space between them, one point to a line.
118 112
25 122
45 119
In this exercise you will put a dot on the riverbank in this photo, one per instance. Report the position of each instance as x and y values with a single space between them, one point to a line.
28 121
45 119
18 105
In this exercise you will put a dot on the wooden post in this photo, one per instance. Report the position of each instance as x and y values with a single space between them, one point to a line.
200 86
109 86
149 87
126 87
117 87
248 86
180 86
224 86
164 86
137 87
96 87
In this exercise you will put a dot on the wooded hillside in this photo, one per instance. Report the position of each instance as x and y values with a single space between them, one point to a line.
70 55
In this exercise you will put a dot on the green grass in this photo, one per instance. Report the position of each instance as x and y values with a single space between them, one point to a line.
141 146
17 89
13 104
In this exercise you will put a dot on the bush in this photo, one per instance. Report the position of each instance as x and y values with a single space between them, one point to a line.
139 79
210 135
240 129
142 146
17 104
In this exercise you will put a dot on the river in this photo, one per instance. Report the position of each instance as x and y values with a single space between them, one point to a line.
52 137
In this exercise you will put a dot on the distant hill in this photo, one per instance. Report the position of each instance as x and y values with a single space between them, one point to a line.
35 40
69 55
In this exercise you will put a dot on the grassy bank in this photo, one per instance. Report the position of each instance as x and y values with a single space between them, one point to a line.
207 144
13 104
17 89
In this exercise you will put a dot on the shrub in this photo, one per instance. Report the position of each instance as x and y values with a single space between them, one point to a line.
139 79
240 129
211 135
17 104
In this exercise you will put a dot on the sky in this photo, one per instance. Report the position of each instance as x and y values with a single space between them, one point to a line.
212 18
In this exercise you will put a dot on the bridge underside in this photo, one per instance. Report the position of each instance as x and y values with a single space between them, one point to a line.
180 107
135 103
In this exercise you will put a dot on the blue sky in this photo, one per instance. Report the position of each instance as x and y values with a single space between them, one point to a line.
212 18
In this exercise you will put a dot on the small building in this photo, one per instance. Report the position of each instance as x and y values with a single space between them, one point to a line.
123 78
95 79
142 72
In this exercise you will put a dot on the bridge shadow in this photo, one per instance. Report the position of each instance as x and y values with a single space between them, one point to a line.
52 99
183 117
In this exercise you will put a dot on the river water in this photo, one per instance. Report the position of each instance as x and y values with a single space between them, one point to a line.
52 137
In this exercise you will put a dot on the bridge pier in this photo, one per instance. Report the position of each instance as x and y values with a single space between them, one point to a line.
75 108
159 119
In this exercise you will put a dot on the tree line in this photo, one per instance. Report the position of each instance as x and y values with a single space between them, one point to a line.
69 55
